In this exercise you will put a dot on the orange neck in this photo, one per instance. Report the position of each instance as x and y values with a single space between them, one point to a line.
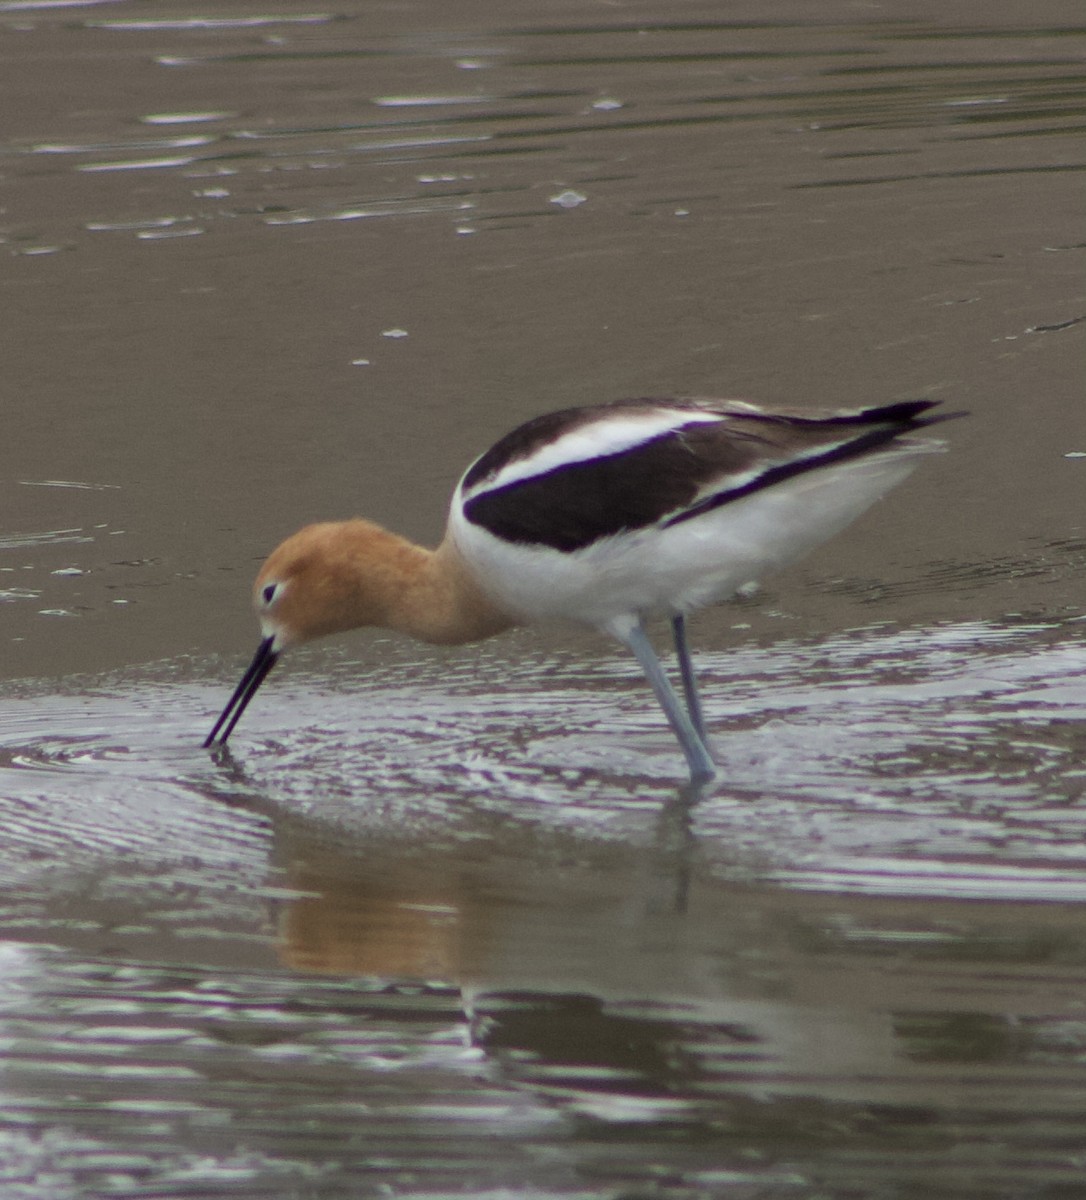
437 600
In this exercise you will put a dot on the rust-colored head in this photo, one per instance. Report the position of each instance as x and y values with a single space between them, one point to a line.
329 578
323 579
347 574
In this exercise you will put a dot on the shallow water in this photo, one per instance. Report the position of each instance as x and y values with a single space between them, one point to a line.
445 922
478 940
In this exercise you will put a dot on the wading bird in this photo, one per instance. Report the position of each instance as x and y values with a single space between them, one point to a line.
604 515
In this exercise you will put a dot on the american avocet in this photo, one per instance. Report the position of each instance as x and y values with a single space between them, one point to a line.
603 515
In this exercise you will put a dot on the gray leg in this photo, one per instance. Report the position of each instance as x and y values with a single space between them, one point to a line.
697 755
690 682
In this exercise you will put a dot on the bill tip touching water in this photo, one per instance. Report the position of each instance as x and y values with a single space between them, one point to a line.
605 515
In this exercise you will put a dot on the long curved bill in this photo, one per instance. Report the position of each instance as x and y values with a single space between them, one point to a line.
262 663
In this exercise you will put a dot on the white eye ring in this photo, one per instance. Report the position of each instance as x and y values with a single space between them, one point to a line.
269 593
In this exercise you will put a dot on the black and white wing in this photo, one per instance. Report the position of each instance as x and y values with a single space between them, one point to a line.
569 479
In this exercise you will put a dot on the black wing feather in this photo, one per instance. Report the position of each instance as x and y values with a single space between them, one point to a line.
660 480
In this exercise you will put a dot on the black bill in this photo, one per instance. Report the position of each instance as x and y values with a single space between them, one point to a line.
262 663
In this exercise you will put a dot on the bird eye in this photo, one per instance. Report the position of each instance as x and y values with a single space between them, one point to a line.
269 593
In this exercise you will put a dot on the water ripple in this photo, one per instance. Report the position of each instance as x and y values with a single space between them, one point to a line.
943 761
688 78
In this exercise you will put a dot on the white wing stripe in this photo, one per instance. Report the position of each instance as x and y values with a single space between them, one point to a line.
611 435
